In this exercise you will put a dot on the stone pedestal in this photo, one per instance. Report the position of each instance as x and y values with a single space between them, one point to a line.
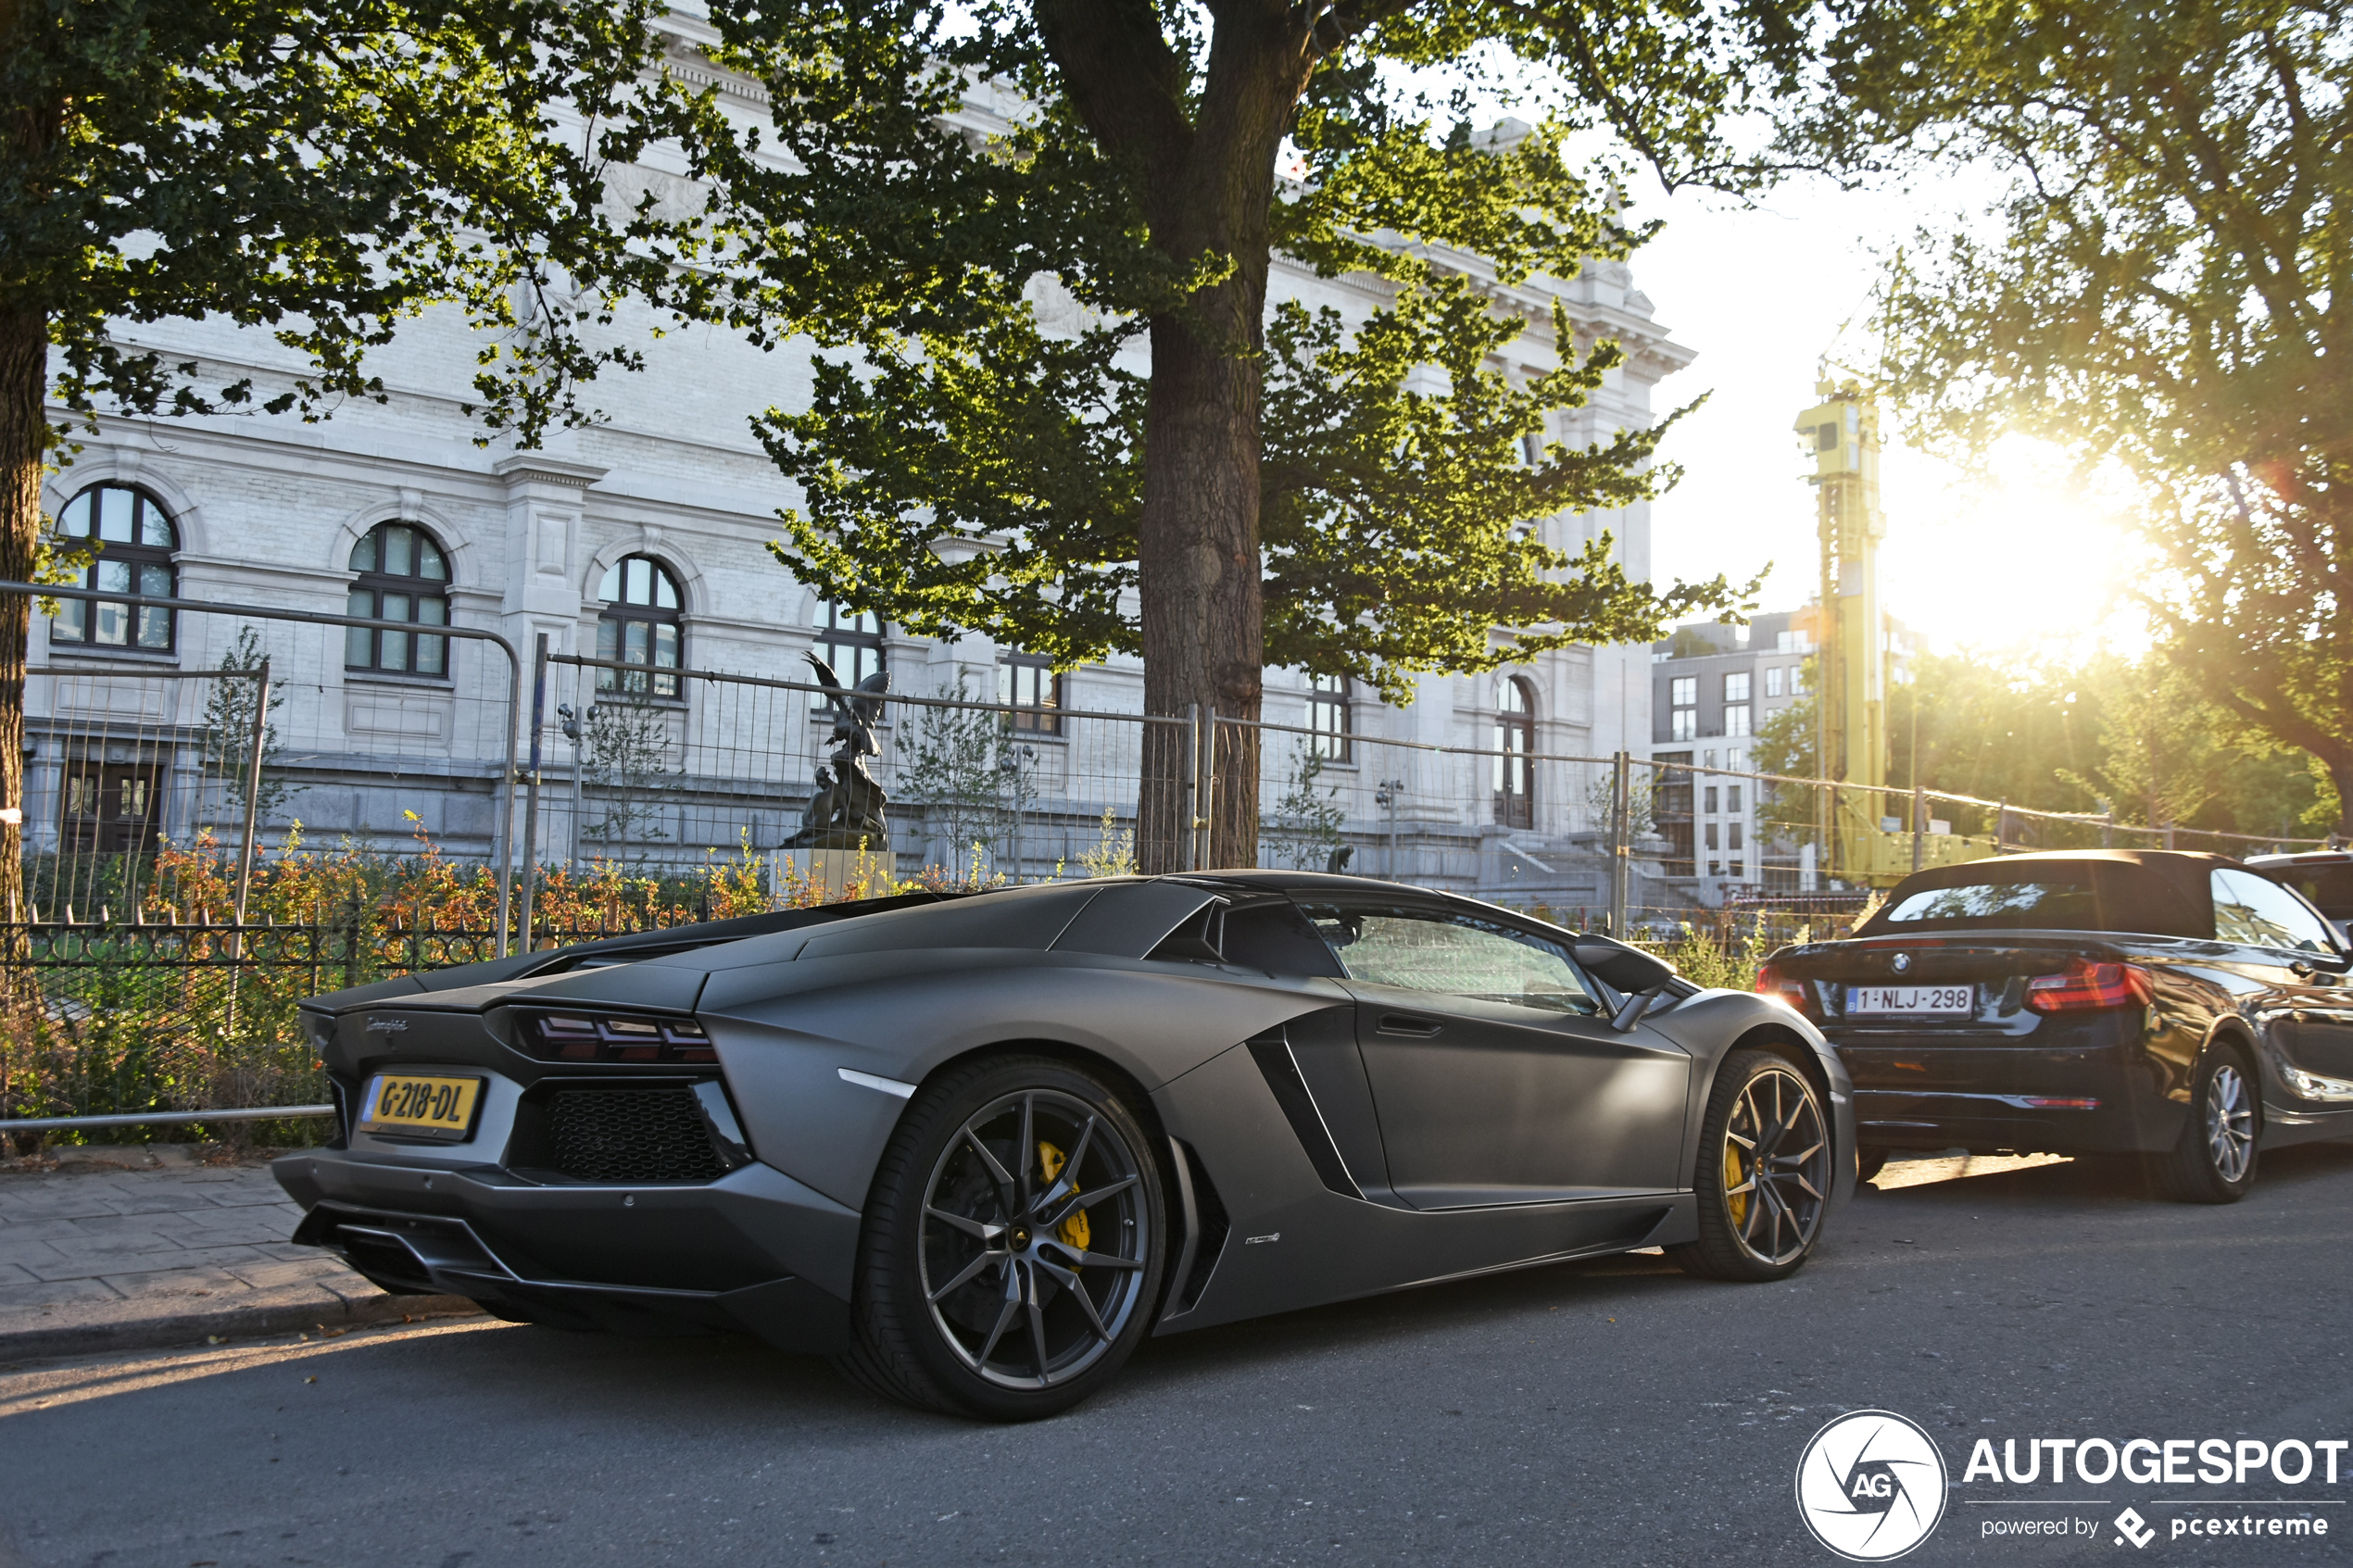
834 871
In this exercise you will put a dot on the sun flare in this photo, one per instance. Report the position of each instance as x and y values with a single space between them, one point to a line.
2027 553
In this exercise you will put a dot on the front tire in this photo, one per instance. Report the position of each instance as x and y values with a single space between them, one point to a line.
2214 1162
1014 1243
1764 1175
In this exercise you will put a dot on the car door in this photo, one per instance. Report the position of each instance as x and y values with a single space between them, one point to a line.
1496 1077
2305 1004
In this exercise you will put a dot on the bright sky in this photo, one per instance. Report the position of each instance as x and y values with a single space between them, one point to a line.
1760 294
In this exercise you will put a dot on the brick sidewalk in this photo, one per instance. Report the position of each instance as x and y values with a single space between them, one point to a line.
102 1260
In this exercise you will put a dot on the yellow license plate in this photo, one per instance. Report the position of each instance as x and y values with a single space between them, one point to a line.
411 1105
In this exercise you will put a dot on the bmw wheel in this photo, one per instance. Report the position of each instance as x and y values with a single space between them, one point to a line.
1013 1249
2215 1161
1764 1175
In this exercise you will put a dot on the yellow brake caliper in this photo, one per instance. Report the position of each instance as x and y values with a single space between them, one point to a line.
1074 1232
1735 1201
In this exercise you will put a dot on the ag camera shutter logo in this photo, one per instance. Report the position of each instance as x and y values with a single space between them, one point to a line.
1870 1486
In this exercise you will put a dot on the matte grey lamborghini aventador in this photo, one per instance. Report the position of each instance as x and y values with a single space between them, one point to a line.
978 1146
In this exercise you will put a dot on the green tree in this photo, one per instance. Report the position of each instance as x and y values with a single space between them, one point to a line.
994 210
228 728
2065 736
320 172
625 758
1305 824
2161 290
954 764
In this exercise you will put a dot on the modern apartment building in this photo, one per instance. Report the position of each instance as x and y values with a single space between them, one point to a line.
1714 689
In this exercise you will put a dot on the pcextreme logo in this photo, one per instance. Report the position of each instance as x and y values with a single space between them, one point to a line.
1870 1486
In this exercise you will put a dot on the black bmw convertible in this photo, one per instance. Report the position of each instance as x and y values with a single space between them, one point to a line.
978 1146
2161 1004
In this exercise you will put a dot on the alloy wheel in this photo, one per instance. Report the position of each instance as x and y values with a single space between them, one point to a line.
1777 1166
1035 1239
2230 1124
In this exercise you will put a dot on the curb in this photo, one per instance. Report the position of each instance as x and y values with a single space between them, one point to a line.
195 1328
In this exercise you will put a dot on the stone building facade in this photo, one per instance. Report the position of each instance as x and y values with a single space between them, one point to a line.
397 507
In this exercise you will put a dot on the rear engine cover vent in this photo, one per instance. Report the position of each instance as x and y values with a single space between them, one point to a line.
598 1134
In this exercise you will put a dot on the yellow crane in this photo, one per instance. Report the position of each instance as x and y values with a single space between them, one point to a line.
1863 833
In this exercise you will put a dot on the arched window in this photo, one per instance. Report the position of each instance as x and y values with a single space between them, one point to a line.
641 624
135 540
1514 740
850 641
403 576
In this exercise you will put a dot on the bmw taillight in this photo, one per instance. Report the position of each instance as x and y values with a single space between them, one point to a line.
2091 987
1786 989
583 1036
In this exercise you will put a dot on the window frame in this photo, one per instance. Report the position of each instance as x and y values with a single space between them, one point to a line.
419 589
1041 716
137 557
833 633
1737 685
660 681
1331 722
1514 776
2217 886
1597 999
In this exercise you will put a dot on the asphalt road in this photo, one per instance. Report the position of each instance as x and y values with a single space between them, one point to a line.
1601 1413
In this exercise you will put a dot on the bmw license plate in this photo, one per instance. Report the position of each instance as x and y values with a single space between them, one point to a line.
409 1104
1910 1001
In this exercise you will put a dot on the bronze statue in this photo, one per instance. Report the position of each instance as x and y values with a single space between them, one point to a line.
846 812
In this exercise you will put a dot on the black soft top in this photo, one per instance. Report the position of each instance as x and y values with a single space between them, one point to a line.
2158 892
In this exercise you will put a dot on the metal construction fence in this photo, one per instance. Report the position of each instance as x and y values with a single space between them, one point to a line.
671 770
272 812
1639 846
252 723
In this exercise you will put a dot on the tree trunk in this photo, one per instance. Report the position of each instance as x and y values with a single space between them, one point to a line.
25 375
1203 611
1207 180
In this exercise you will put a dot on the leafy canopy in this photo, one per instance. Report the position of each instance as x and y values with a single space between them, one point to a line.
2161 290
323 172
931 199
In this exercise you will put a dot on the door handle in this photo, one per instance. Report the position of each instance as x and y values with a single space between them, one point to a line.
1406 1023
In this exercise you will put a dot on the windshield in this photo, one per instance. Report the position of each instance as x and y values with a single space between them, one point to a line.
1996 906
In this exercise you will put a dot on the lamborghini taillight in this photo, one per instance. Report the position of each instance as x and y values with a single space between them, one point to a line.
580 1036
2091 987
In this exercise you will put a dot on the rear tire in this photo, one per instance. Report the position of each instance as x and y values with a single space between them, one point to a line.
1013 1245
2214 1162
1764 1173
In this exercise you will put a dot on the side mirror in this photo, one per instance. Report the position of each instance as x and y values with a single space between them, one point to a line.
1619 967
